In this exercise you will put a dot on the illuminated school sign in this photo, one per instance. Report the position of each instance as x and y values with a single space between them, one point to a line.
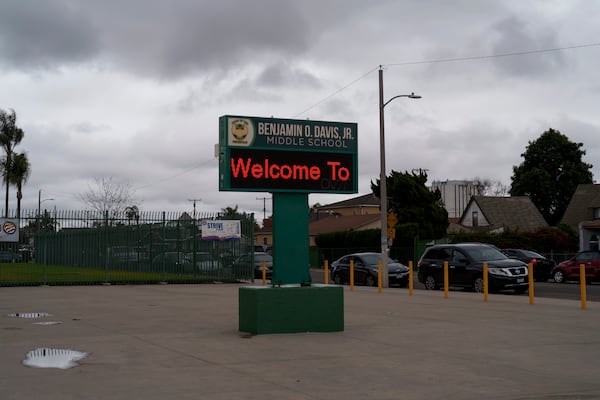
286 155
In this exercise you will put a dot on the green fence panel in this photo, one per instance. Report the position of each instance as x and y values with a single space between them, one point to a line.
85 247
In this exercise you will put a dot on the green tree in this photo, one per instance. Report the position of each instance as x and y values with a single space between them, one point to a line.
10 136
419 210
18 174
552 168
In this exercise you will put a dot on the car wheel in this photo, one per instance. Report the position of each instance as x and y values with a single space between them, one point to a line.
478 284
558 276
430 283
337 279
370 281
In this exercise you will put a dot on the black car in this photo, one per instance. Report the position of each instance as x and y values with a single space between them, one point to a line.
10 257
256 259
465 267
542 267
366 270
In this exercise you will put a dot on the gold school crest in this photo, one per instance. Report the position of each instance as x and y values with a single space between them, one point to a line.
241 132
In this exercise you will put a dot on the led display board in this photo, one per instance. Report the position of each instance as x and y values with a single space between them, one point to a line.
286 155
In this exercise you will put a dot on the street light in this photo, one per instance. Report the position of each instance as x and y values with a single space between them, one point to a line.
383 180
40 201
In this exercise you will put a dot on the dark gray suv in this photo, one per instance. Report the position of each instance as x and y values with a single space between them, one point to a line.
465 267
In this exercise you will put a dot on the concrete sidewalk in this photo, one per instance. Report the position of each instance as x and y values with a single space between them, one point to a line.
182 342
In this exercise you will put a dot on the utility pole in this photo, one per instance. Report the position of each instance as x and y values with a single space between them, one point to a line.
194 203
264 199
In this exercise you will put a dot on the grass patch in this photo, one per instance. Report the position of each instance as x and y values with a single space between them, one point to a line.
31 274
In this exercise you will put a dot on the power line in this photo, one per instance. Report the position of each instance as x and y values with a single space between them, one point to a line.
447 60
175 175
511 54
338 91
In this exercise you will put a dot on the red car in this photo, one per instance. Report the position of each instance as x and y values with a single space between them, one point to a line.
569 270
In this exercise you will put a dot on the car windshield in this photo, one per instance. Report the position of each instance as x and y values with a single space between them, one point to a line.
531 254
262 257
485 253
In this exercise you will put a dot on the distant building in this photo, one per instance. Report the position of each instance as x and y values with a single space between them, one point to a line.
583 215
455 195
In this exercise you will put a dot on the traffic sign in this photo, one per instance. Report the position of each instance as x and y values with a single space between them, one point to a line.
392 220
391 233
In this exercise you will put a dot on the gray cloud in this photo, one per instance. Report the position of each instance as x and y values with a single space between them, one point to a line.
151 37
516 35
37 35
282 74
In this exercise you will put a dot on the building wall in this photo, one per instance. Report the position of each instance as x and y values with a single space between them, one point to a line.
474 217
456 195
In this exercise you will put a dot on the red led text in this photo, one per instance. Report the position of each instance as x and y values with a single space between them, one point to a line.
246 168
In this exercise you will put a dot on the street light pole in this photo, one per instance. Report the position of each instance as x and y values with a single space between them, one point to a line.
39 214
383 179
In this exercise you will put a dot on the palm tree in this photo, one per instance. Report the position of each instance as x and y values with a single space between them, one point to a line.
10 136
18 174
230 212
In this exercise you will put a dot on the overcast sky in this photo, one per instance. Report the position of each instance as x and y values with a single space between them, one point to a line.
133 89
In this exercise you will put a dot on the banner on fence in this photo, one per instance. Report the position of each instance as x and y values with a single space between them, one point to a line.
9 230
221 230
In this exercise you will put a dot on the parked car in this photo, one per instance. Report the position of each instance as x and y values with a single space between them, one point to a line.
172 261
204 262
10 257
366 270
542 266
259 257
569 269
465 267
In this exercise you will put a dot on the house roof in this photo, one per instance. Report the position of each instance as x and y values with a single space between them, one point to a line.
515 212
366 200
337 223
582 204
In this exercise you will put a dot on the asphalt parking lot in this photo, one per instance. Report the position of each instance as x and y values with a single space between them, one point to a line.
182 342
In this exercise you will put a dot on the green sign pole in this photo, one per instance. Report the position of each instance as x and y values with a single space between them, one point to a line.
290 239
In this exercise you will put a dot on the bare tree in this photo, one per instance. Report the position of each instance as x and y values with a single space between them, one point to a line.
108 196
490 187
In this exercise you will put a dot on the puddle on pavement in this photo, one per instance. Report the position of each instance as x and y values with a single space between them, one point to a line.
47 323
53 358
30 315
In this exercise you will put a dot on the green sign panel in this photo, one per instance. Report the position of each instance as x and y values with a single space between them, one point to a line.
287 155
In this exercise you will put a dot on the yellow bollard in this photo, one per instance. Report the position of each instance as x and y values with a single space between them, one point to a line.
445 279
326 277
351 274
530 277
264 272
582 284
410 278
379 276
485 281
